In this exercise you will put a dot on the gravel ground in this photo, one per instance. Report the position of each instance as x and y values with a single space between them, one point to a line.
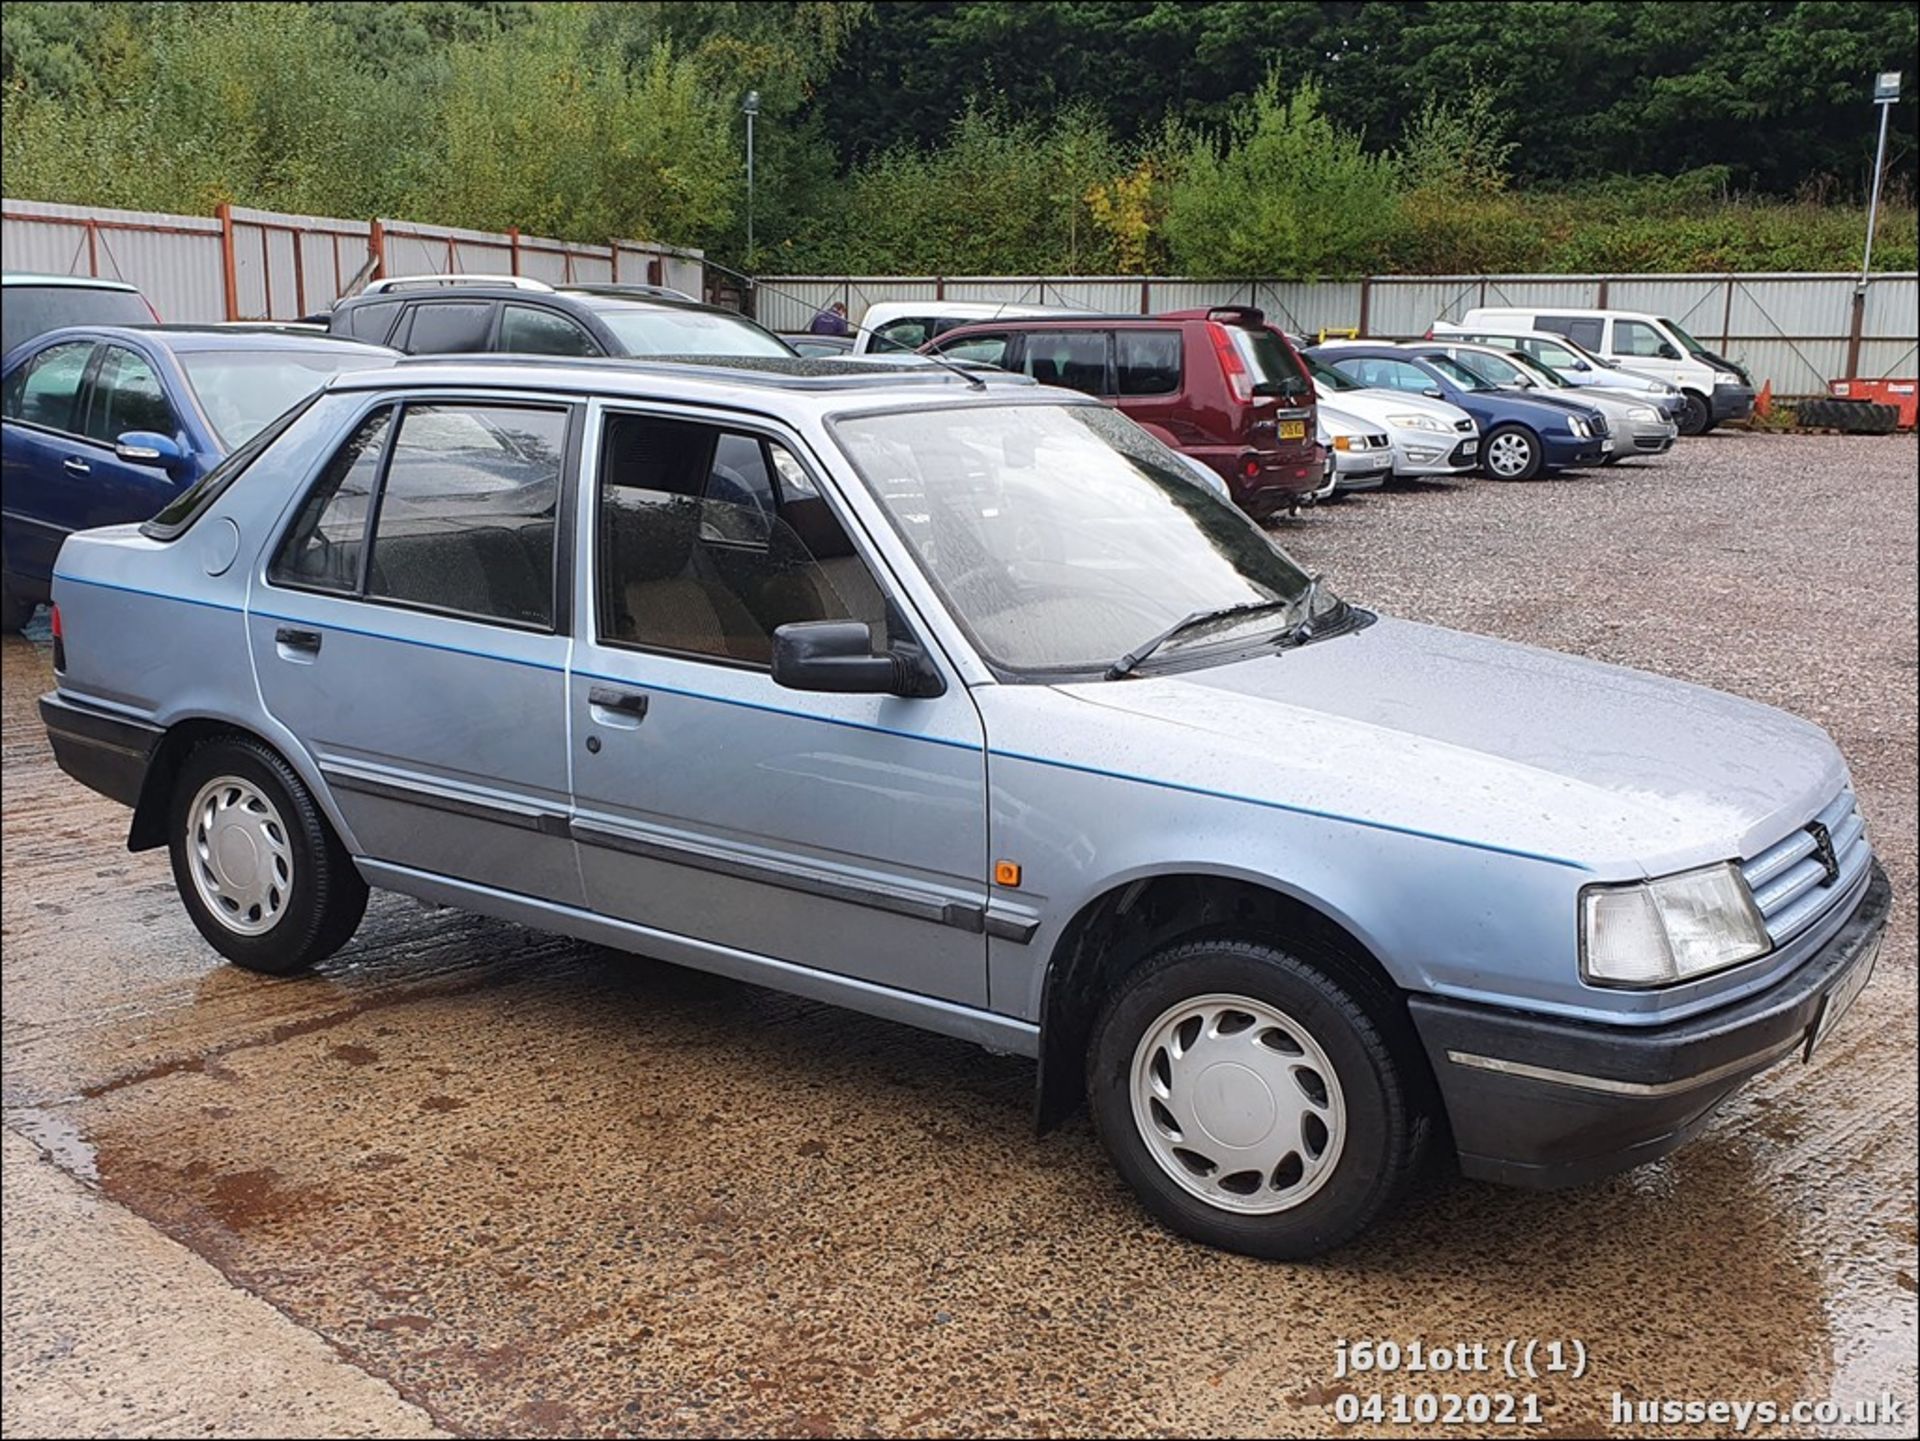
539 1188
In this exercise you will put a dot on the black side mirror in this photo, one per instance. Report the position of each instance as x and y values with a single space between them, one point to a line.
1434 392
1667 352
838 656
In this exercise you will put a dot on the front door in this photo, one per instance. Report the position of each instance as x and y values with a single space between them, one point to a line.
411 630
843 833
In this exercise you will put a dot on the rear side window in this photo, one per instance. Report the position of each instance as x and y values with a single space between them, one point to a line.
1076 359
322 550
528 330
43 390
371 322
1583 331
448 327
1146 362
127 395
465 517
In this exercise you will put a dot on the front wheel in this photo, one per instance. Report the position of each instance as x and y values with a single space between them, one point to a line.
261 872
1697 418
1513 453
1251 1100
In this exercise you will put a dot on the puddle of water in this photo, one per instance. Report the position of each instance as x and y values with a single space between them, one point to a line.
54 1131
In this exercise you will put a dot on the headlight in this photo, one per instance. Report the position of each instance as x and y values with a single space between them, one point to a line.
1655 933
1643 413
1417 422
1578 427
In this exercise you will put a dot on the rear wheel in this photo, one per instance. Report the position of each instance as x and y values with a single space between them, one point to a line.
1697 418
261 872
1512 452
1251 1100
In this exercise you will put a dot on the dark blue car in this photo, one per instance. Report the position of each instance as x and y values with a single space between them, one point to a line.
104 424
1522 436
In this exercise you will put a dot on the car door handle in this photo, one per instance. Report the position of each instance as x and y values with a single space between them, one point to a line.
74 465
293 638
631 703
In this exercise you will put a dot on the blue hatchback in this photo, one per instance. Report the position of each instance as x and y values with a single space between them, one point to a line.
1523 436
104 424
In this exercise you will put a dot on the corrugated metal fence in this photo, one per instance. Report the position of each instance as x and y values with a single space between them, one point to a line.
1796 330
245 264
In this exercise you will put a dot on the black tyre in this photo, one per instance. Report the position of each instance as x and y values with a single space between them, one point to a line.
1881 420
1512 452
1697 418
1253 1101
15 610
258 867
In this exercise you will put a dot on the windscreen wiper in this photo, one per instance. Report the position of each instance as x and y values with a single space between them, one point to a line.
1127 663
1306 628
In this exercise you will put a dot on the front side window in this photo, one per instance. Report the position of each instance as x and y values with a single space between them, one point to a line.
528 330
1146 362
465 520
127 395
1492 369
1076 359
1637 338
1063 536
711 539
44 389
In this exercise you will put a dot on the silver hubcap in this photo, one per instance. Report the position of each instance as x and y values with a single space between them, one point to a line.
1238 1103
241 857
1509 455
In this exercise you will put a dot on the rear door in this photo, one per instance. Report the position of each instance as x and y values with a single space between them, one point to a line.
43 465
411 630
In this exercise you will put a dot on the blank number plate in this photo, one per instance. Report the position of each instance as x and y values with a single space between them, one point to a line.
1840 999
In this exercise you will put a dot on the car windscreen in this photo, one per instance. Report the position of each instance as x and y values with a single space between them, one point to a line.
242 391
1456 372
670 330
1693 346
1329 377
31 310
1063 537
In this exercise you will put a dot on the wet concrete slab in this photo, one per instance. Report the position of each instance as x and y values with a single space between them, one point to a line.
543 1188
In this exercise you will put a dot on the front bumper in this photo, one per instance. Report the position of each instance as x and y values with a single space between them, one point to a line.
1730 402
1540 1102
1423 452
1361 469
105 752
1654 439
1569 451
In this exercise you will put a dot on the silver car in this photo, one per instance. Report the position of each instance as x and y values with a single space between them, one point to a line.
956 700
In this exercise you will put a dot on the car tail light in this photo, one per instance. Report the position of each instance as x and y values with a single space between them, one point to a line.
1250 467
1239 379
59 639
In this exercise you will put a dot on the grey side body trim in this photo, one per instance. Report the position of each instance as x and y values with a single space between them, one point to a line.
1607 1085
526 818
983 1028
900 900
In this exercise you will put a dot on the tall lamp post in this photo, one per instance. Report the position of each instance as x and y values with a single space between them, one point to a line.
752 108
1886 95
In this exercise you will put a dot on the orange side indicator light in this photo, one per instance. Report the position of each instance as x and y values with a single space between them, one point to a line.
1006 873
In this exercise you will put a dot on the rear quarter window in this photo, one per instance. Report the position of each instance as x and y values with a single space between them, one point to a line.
370 322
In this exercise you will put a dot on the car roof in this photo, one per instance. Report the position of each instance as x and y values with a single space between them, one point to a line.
189 339
960 309
78 282
592 297
904 378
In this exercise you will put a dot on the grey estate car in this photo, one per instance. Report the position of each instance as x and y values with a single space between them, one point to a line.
957 700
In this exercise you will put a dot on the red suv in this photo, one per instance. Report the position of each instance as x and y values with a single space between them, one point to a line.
1216 384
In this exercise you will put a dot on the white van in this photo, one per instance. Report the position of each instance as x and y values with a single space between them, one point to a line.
1715 388
897 325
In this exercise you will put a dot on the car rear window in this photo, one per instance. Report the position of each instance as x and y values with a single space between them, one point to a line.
241 391
185 508
1266 355
32 310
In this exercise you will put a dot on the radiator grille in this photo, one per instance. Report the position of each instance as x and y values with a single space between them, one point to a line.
1791 880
